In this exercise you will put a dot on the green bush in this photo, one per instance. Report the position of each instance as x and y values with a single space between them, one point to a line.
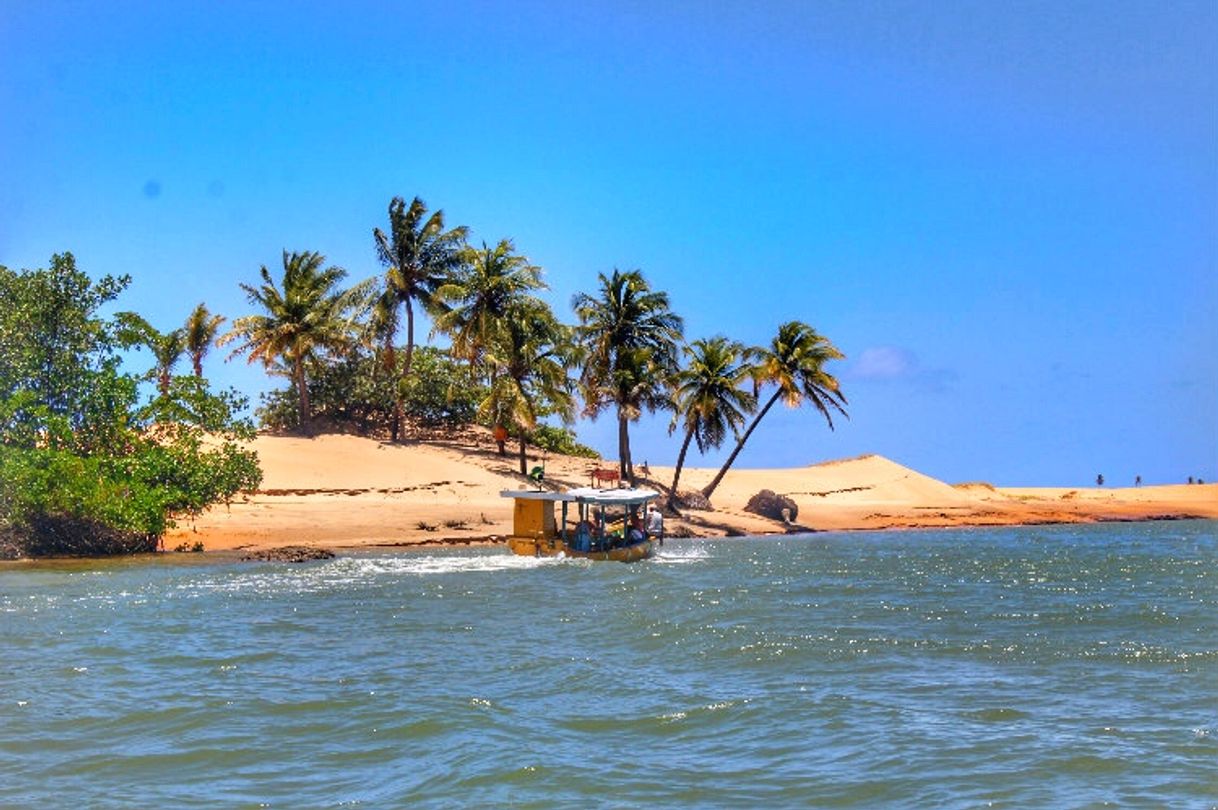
86 471
358 393
560 440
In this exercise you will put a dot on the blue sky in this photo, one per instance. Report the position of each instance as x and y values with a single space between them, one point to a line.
1006 215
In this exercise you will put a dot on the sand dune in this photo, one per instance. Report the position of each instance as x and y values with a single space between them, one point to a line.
348 491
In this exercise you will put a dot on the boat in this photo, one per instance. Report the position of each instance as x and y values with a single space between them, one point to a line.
593 524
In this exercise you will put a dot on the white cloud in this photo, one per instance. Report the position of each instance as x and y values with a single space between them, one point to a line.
885 363
895 364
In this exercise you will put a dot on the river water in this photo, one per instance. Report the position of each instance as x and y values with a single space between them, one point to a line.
1028 667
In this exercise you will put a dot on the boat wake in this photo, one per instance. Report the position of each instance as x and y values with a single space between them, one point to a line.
672 554
423 565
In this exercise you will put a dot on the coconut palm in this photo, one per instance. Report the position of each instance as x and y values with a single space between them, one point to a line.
200 333
629 338
709 397
309 316
472 303
528 354
794 363
167 347
418 254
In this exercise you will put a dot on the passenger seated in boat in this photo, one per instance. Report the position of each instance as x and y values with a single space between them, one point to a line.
585 532
635 533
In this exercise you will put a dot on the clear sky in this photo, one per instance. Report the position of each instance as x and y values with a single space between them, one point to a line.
1005 214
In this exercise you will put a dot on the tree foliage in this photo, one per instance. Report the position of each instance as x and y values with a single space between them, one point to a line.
300 321
629 338
419 255
86 468
201 330
794 363
481 295
709 397
356 392
528 356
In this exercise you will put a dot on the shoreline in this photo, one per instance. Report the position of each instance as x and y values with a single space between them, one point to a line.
346 492
237 553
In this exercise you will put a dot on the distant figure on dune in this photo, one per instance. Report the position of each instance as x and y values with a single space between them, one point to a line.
1137 481
1190 479
1099 480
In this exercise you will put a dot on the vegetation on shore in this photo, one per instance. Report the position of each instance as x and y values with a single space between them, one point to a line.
89 469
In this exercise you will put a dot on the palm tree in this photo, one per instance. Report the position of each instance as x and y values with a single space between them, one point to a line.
529 355
629 338
794 363
472 303
167 347
201 328
709 397
418 254
311 315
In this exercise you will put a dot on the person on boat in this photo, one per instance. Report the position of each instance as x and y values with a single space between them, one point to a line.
655 523
584 533
635 533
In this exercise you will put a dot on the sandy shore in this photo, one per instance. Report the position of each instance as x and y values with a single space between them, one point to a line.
344 491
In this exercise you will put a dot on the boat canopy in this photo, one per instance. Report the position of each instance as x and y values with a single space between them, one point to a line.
607 497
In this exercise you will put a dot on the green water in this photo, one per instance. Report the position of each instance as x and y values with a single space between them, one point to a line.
1033 667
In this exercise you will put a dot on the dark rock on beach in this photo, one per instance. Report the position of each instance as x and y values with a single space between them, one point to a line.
291 554
776 507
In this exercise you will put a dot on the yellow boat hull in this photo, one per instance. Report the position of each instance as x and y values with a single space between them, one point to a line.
554 547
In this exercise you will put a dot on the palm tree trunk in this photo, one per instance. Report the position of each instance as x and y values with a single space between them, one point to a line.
676 476
399 405
710 488
625 467
524 458
196 359
163 381
409 338
302 389
390 360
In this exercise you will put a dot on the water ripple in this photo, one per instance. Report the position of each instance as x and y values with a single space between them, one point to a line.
1066 666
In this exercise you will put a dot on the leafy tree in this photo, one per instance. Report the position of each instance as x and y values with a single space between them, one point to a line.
201 330
418 255
310 316
709 397
52 345
528 357
794 363
628 337
353 392
86 470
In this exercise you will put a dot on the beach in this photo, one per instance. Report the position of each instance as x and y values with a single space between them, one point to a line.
343 491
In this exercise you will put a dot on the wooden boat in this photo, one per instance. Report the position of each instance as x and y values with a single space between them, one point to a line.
594 524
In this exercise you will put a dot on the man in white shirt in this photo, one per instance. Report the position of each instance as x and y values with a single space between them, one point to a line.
655 523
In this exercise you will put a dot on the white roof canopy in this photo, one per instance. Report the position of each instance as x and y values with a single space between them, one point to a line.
620 497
